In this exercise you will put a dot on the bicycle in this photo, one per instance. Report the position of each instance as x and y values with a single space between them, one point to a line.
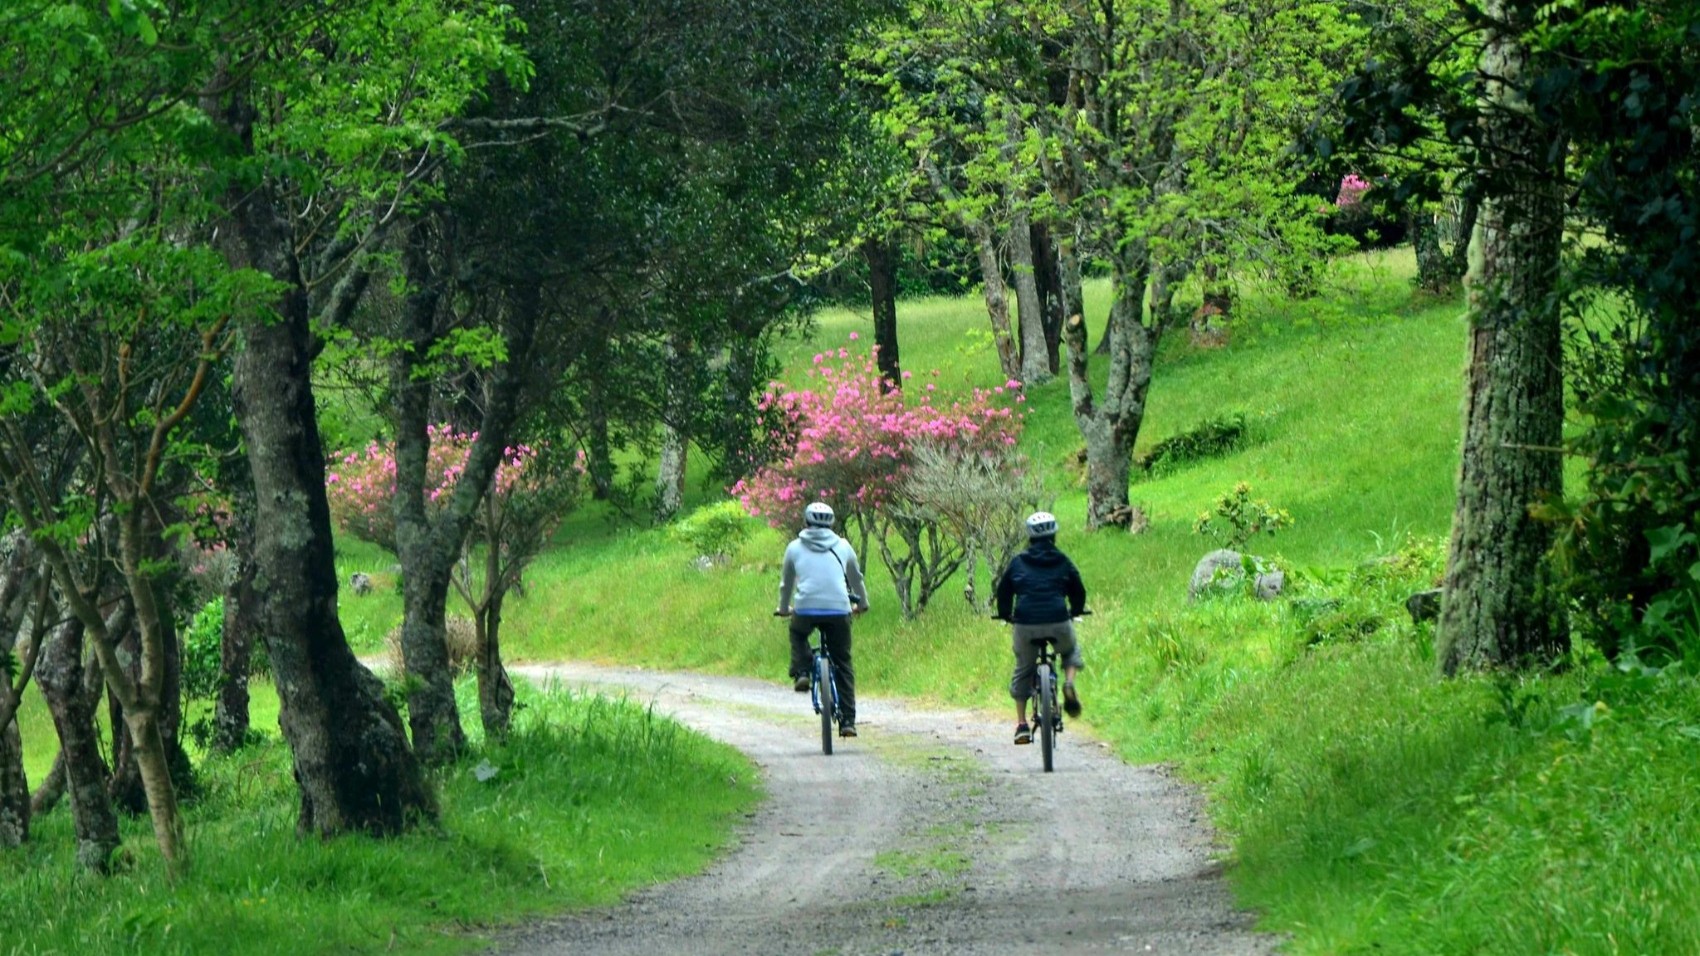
1046 714
823 689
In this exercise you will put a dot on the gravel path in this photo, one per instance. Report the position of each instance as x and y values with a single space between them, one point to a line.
928 834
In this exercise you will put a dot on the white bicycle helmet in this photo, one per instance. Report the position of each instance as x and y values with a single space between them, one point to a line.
818 515
1041 524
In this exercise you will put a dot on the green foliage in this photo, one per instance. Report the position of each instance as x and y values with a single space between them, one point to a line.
202 643
714 529
1211 438
1238 519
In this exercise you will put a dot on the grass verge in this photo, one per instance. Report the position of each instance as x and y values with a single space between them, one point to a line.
590 797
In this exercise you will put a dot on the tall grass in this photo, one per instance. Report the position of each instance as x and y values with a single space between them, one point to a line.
590 797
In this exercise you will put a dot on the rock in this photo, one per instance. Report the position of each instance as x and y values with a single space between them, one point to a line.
1424 605
360 582
708 562
1270 584
1219 568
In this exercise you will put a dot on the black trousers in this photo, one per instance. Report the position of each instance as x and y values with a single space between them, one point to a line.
835 634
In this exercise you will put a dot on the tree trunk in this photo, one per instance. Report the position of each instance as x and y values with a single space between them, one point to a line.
427 545
1496 609
1051 299
882 285
161 710
670 473
351 757
14 788
997 298
991 273
675 434
1458 260
495 688
144 725
1434 274
1166 278
1035 366
236 650
1111 426
72 691
124 785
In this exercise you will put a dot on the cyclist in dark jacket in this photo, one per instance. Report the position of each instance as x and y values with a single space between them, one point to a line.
1040 593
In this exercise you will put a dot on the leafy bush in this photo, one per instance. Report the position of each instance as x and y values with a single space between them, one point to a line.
716 529
1210 438
1238 519
202 650
460 634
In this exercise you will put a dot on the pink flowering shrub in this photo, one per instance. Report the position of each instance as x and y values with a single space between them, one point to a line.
1352 189
850 440
361 484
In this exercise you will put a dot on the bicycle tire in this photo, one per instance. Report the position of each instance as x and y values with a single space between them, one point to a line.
1047 683
828 698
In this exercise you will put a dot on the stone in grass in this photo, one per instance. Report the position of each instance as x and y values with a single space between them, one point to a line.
1224 568
1424 605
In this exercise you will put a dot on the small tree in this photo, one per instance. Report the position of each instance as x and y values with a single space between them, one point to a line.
982 499
853 443
1238 518
533 489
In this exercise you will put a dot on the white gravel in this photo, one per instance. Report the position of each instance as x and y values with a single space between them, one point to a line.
929 834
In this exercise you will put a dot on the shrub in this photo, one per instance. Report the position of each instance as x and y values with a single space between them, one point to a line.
202 652
460 635
716 529
1210 438
1238 518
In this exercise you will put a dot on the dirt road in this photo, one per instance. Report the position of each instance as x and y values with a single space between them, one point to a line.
928 834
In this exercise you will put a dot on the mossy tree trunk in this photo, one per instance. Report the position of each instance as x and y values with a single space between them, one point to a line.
1496 609
72 691
352 762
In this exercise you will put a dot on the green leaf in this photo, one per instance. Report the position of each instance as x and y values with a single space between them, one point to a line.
1667 539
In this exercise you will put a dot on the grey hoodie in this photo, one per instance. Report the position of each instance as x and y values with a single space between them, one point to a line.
821 568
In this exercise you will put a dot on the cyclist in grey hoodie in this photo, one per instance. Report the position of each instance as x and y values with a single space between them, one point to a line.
820 587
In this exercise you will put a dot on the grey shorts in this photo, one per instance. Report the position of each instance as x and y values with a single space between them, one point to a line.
1027 653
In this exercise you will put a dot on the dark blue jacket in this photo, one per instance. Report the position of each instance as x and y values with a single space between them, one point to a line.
1043 585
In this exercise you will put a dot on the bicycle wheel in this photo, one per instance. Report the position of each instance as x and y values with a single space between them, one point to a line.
1047 683
827 696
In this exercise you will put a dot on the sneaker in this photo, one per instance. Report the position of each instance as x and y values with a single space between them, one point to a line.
1071 700
846 730
1023 734
801 684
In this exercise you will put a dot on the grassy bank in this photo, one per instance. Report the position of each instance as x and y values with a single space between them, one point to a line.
590 797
